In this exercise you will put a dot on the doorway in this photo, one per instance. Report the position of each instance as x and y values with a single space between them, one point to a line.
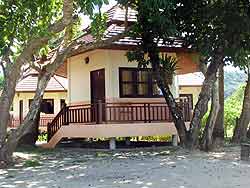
97 84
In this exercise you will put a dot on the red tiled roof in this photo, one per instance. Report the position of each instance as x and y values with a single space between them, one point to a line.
115 26
56 83
117 14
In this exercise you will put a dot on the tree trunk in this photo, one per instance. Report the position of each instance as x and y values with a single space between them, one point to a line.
175 111
30 138
201 106
12 74
240 131
169 98
26 128
218 132
207 137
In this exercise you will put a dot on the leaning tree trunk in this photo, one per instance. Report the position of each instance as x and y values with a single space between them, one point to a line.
170 100
207 137
25 128
240 131
174 109
12 74
218 132
201 106
31 136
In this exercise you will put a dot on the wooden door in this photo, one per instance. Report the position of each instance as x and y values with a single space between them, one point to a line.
21 111
97 82
97 86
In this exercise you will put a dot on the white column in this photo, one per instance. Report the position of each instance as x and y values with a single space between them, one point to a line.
112 144
174 140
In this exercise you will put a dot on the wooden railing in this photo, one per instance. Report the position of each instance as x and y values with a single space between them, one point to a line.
71 114
15 122
117 113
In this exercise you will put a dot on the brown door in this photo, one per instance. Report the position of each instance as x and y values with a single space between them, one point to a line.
97 85
21 111
97 82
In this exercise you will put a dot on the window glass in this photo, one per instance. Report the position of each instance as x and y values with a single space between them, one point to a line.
142 76
127 89
127 75
137 83
143 89
47 106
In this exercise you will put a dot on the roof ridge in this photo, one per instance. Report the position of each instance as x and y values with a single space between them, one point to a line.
59 82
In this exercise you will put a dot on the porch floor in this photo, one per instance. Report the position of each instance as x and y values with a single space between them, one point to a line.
111 131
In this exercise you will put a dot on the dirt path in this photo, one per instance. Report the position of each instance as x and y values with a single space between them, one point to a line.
161 168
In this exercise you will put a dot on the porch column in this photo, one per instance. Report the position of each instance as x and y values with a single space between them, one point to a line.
175 140
99 112
127 141
112 144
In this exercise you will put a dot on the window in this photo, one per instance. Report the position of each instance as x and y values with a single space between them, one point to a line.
62 103
137 83
47 106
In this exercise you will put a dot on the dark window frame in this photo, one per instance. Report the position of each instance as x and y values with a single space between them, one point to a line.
62 103
45 100
135 83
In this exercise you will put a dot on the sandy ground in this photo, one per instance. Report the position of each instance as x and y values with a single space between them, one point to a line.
154 168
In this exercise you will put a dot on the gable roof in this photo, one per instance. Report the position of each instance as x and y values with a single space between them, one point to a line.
115 27
117 15
29 84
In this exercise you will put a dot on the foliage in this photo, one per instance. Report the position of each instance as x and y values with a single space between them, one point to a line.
233 107
210 25
1 82
42 137
98 25
31 163
21 20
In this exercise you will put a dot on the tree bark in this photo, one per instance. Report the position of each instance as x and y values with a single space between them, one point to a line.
31 136
240 131
218 132
207 137
27 126
12 73
169 98
201 106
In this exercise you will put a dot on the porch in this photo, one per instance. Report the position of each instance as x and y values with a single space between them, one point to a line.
110 120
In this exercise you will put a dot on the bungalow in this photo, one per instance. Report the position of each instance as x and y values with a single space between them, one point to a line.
54 99
110 97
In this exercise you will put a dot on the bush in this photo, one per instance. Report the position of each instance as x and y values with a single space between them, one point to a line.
232 111
42 137
233 107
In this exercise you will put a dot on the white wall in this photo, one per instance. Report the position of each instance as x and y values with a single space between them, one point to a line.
25 96
110 60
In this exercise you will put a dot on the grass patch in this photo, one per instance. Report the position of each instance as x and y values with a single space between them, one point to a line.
31 163
102 154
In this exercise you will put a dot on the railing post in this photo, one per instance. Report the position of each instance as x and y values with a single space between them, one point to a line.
190 108
145 113
149 113
99 112
66 115
48 132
